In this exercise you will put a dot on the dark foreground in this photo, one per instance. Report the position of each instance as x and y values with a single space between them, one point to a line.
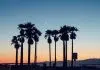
25 67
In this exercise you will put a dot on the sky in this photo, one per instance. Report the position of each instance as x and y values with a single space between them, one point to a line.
51 14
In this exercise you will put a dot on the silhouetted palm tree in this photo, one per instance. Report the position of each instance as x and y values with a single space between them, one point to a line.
72 36
37 33
21 39
16 45
29 35
56 38
64 37
67 30
48 35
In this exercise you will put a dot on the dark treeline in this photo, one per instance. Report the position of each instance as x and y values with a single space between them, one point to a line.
31 33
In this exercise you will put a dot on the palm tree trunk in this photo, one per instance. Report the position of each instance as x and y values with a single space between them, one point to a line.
66 54
72 55
63 54
29 50
35 57
55 53
16 57
21 59
50 55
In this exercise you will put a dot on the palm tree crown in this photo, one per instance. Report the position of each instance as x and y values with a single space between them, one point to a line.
55 35
64 32
15 42
29 31
48 34
72 31
37 33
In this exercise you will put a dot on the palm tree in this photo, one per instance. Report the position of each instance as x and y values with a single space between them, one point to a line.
65 37
37 33
48 35
62 37
29 35
16 44
21 39
67 30
55 35
72 37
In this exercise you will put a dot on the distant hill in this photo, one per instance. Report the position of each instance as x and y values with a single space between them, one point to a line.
92 62
87 62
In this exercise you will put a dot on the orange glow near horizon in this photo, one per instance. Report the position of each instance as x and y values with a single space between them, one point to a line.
42 58
8 56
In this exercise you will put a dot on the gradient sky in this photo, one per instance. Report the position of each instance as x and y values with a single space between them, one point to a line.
51 14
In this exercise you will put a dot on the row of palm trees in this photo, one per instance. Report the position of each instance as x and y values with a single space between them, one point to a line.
31 33
64 34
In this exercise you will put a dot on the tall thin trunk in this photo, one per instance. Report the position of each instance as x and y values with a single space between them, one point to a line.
29 50
63 54
66 54
55 53
21 59
72 55
50 55
35 57
16 57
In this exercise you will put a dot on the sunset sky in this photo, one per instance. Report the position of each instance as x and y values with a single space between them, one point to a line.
51 14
